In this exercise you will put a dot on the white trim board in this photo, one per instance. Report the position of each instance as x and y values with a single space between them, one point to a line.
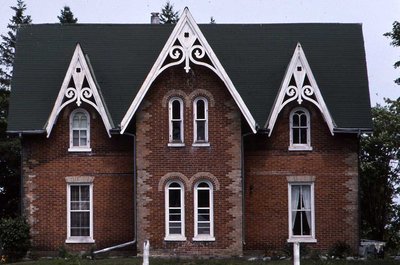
187 33
298 69
78 70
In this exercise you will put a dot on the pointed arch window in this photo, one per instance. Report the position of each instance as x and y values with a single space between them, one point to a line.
203 212
174 212
300 130
200 113
79 134
176 122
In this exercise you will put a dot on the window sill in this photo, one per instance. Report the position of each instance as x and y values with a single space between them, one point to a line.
176 144
300 148
175 238
203 238
302 240
79 149
79 240
197 144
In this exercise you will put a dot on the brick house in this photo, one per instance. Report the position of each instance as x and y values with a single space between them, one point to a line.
205 139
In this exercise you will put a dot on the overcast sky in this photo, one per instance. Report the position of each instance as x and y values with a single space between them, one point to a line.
376 17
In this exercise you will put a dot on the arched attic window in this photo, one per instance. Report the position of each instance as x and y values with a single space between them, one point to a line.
79 131
300 129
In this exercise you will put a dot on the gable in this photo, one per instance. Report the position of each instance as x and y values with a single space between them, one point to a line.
123 55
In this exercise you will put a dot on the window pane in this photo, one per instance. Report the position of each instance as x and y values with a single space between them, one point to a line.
203 217
203 185
85 193
175 230
175 216
174 198
176 131
174 185
303 136
295 120
74 193
200 110
176 109
75 138
303 120
203 198
83 123
203 229
80 219
297 224
75 121
296 136
306 227
201 131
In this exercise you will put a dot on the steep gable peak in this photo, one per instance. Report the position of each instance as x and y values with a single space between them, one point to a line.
187 45
79 86
299 85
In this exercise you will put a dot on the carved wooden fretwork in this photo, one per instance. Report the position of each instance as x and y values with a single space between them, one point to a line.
187 49
78 90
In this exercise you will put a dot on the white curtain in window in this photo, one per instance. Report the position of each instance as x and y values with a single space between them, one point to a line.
295 202
307 203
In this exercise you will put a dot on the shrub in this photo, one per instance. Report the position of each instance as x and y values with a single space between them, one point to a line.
340 250
14 238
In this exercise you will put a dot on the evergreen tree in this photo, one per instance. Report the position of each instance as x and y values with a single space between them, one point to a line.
7 47
168 14
67 17
9 148
395 36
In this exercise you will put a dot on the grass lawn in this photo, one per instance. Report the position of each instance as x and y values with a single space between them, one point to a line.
158 261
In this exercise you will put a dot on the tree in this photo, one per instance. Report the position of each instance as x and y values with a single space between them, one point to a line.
168 15
379 174
395 36
7 47
9 148
67 17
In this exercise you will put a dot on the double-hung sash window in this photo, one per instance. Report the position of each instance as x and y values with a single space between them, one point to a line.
176 122
80 213
301 212
203 212
79 131
200 106
174 212
300 130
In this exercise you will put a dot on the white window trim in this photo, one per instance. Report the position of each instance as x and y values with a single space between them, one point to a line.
79 239
205 142
209 237
296 238
300 147
73 148
174 237
171 142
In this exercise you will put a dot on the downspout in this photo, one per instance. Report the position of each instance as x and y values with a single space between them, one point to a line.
243 187
134 205
21 172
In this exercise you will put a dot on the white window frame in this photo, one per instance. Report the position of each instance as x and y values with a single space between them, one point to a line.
300 147
73 148
201 237
79 239
170 121
168 236
196 120
301 238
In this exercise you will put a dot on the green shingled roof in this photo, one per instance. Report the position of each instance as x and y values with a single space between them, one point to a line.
255 56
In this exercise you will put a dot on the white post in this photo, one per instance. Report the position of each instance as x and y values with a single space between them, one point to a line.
146 252
296 253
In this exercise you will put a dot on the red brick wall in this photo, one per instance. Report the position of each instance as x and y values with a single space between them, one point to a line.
219 163
334 164
46 163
